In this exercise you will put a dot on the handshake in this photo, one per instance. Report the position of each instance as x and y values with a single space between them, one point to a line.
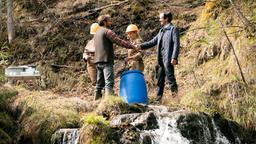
137 47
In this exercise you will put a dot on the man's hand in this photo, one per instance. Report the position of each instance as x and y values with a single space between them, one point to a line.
174 62
137 47
129 58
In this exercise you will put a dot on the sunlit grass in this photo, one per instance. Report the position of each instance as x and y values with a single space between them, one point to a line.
44 112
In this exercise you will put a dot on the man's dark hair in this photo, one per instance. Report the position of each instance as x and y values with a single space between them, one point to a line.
102 19
167 15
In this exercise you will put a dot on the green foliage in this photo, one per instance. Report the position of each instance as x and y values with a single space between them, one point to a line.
62 54
96 130
5 95
3 61
95 120
3 57
4 137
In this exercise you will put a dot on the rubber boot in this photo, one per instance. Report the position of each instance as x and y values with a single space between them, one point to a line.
98 95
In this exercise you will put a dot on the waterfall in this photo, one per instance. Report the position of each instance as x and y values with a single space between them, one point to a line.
167 133
159 125
181 127
66 136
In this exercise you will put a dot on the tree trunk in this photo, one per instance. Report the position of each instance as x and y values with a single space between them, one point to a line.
0 18
10 27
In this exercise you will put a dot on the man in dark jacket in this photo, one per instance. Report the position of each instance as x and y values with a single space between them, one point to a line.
168 43
104 55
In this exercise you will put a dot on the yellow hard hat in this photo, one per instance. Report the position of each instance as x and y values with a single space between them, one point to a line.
132 27
94 28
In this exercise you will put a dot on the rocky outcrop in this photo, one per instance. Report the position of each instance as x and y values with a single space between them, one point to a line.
160 125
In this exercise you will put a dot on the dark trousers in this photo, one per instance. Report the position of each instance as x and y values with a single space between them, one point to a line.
105 77
165 71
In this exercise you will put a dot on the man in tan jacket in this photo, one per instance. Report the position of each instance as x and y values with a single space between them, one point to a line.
89 53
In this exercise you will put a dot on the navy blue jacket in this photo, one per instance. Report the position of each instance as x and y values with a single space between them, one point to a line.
170 44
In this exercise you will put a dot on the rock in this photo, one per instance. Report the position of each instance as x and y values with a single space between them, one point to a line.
125 118
146 121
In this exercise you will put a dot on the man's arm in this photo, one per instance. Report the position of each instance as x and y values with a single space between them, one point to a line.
176 43
150 43
115 39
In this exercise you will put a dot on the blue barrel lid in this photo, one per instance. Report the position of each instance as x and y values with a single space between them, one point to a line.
132 71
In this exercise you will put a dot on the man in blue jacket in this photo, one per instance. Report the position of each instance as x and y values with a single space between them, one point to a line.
168 43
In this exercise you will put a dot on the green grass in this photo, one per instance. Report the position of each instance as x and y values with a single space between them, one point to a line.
95 130
5 95
94 119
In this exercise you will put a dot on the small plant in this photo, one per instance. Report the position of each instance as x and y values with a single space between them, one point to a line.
95 120
95 130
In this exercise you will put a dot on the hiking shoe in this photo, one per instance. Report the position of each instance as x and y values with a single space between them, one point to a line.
98 95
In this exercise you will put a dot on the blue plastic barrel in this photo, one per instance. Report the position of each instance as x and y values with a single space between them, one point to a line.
133 87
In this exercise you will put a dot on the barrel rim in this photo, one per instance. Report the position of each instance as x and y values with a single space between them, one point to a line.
132 71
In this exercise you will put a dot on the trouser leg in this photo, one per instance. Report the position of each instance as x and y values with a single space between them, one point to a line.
109 79
100 81
160 83
92 71
169 70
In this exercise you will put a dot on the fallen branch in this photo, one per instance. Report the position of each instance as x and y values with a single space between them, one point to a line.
62 66
93 11
237 62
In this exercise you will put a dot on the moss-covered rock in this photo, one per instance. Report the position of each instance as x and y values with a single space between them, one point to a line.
111 106
98 130
95 130
201 128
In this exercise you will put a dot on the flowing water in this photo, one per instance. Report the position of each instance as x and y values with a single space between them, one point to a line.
207 132
67 136
158 125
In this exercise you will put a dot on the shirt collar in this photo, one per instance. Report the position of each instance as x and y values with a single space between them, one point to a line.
167 25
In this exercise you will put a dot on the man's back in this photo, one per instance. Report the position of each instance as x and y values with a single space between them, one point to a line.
104 52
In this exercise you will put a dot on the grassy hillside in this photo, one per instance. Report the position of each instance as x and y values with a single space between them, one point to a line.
209 72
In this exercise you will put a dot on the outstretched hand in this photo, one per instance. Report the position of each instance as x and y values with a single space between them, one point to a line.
137 47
